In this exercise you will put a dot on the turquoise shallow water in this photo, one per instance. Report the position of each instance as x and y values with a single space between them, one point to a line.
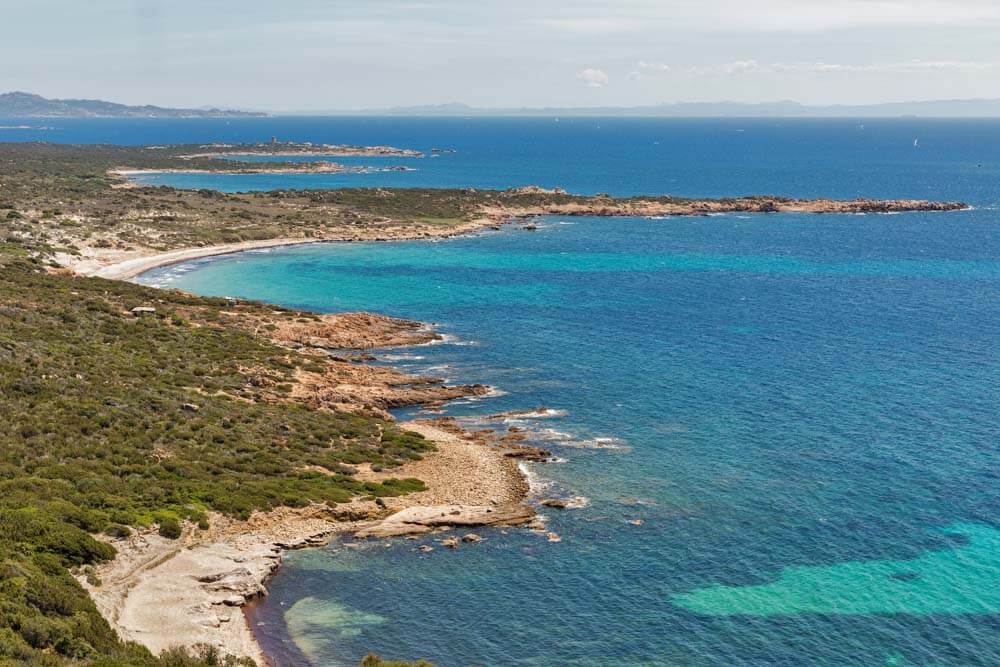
802 410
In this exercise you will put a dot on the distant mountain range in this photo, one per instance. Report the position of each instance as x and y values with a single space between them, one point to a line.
26 105
784 109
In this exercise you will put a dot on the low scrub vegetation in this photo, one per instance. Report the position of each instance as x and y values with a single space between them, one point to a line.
59 198
114 422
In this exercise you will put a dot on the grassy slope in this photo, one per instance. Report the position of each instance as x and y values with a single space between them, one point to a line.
95 437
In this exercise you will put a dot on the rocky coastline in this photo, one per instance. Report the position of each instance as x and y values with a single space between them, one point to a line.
162 592
96 260
191 591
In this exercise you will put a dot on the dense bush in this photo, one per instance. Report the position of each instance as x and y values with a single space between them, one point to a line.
98 435
170 528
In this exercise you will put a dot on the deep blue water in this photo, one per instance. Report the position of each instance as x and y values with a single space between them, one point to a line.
783 391
808 158
801 409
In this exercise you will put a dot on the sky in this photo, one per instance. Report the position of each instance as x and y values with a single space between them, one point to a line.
314 55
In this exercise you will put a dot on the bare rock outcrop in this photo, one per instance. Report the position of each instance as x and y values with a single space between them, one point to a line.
421 520
352 331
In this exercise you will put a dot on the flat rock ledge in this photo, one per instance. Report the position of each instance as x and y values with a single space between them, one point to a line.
422 520
164 593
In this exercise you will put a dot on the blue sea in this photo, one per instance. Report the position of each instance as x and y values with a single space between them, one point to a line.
801 410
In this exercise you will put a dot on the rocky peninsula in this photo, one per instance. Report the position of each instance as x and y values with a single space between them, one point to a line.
66 204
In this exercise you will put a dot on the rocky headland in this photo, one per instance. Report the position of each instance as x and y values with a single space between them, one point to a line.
190 591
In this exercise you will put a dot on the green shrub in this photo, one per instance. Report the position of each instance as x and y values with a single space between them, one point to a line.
118 531
13 645
95 440
170 528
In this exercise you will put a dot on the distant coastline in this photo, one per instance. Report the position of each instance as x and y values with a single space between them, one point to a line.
27 105
974 108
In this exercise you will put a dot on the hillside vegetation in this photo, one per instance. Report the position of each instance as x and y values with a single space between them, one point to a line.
61 198
114 422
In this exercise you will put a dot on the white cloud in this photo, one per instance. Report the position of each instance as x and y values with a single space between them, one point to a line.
740 67
653 67
594 78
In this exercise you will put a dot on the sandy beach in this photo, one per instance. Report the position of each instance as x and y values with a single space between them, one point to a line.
123 265
116 264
